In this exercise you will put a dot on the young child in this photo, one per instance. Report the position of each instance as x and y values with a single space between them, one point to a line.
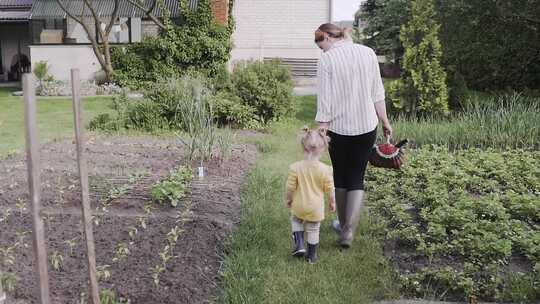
308 181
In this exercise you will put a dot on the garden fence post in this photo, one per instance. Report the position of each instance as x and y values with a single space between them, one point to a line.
85 192
34 184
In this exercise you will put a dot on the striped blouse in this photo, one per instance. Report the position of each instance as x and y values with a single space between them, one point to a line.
348 85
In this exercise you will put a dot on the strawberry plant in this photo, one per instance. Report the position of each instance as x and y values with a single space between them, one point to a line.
463 217
173 187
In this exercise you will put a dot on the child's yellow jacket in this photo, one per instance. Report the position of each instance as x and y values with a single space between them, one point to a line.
308 181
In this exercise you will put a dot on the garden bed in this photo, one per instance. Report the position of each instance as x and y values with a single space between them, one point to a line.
134 235
462 224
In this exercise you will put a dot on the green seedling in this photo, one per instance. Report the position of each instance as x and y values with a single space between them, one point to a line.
165 255
132 231
172 236
121 252
142 222
21 236
7 255
4 216
56 260
156 272
103 273
21 206
71 244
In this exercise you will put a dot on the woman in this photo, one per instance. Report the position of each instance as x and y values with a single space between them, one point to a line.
350 103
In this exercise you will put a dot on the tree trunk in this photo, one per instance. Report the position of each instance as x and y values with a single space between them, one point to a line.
108 64
104 59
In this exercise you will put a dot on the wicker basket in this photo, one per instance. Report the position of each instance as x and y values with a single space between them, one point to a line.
387 155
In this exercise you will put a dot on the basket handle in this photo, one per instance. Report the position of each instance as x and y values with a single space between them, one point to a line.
387 137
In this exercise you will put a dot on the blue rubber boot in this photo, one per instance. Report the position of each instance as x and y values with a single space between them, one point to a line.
298 244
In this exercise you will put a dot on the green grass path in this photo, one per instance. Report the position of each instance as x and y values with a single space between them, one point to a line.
258 267
55 119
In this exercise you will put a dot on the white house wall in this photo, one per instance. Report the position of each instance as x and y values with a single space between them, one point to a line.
62 58
277 28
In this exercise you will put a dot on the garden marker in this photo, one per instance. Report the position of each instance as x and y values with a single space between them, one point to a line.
32 162
83 176
201 172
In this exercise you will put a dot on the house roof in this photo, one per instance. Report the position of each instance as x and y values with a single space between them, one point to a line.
49 9
14 10
7 4
8 16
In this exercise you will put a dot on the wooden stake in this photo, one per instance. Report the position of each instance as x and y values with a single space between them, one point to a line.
34 183
83 175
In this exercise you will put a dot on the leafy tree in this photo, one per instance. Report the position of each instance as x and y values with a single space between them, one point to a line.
384 19
424 76
494 44
491 44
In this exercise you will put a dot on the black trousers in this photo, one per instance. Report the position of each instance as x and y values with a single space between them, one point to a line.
349 155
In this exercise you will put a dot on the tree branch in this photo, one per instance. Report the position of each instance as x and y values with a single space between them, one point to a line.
148 12
80 21
96 19
113 18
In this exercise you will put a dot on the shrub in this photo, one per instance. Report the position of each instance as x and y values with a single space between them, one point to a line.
41 70
230 110
265 86
198 43
146 115
104 122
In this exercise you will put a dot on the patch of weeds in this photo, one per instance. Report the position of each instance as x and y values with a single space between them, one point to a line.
265 146
108 296
173 187
225 143
8 281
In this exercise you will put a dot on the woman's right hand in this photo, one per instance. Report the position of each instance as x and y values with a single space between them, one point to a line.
324 126
387 129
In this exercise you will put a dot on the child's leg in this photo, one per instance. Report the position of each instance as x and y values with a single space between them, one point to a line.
312 230
297 226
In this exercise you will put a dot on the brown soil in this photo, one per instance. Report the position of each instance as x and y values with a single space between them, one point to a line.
129 166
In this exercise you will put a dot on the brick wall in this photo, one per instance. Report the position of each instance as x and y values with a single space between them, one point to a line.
220 9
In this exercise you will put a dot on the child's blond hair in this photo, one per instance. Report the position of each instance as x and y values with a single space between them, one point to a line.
314 141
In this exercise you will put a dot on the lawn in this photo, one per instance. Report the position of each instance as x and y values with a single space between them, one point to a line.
55 119
259 268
